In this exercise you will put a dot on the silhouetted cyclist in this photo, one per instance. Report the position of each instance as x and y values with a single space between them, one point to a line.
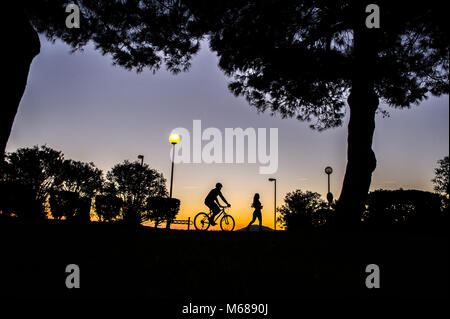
213 203
257 213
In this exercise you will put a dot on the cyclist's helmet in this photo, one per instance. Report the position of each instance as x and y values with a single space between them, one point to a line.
218 185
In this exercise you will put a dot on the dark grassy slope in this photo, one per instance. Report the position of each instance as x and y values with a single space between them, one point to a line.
119 262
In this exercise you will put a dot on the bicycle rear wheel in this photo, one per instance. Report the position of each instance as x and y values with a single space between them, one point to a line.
227 223
201 221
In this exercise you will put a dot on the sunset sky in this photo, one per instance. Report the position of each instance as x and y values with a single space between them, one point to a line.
93 111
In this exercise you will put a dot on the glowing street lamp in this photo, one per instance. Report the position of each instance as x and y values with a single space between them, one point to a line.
274 203
328 171
174 139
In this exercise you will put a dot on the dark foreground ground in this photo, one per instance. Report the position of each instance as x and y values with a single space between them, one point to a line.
160 265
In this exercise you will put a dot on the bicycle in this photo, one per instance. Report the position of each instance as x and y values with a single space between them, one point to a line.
202 220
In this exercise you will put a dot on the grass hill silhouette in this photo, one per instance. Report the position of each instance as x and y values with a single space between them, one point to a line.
256 228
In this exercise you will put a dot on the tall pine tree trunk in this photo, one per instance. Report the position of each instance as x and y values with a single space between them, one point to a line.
363 102
21 45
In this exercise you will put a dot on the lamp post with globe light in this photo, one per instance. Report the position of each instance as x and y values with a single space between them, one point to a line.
328 171
174 139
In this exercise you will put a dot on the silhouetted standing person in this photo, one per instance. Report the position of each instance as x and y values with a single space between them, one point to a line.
212 202
257 213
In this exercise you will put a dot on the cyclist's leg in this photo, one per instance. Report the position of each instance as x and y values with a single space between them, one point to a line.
207 205
214 209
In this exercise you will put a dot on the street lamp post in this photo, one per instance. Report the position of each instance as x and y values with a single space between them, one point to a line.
328 171
174 138
141 157
274 203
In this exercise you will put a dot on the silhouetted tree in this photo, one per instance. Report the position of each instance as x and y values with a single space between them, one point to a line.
160 209
441 180
303 210
82 178
133 183
303 59
34 170
137 34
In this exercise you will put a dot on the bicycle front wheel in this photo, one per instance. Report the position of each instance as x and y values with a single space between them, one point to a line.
227 223
201 221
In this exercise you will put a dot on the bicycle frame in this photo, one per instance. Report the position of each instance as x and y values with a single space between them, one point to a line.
222 212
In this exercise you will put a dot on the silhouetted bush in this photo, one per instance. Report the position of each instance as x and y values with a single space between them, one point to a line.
107 207
404 209
20 201
70 205
63 204
160 209
83 210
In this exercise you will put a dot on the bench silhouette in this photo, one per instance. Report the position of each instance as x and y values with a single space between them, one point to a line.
187 222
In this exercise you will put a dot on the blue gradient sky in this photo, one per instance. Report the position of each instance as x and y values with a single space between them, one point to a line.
93 111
